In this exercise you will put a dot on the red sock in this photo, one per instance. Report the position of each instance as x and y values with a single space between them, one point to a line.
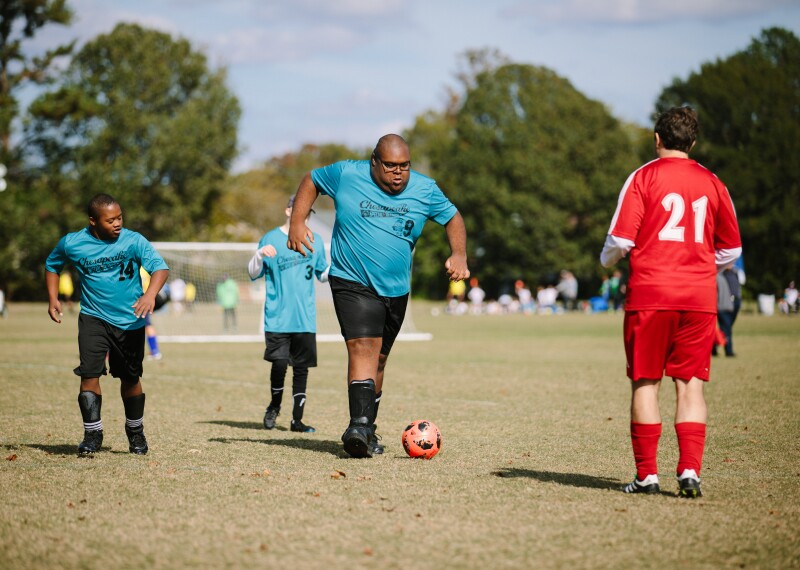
691 442
644 438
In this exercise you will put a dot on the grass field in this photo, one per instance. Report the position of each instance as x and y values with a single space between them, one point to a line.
534 416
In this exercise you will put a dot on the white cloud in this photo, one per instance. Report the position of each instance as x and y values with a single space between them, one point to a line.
638 11
285 44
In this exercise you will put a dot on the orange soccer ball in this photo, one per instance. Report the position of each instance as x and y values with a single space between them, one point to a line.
422 439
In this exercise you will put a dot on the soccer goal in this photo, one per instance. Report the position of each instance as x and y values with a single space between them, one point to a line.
193 314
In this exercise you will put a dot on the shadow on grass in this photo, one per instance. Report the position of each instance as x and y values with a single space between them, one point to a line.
58 449
242 425
317 445
571 479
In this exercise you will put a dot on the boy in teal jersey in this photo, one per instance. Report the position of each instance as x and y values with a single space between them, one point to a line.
381 207
113 310
290 316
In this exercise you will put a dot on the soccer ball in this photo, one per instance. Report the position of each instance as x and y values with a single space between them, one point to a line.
422 439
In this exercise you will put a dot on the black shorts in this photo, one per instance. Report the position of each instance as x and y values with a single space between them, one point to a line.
125 349
300 349
362 313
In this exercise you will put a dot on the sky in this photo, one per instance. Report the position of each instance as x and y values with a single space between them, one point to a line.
349 71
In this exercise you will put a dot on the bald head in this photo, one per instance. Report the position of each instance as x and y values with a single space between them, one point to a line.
391 163
389 143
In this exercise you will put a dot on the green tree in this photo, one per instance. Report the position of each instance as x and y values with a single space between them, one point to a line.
535 168
16 67
749 110
21 20
254 201
141 116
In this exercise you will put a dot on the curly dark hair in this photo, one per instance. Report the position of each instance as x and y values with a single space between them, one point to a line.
677 128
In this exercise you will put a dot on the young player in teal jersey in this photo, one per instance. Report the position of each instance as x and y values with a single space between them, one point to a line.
113 309
381 207
290 316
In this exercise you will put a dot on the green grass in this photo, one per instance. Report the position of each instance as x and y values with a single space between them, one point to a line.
534 417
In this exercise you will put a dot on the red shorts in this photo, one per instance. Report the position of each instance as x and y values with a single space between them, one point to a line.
675 343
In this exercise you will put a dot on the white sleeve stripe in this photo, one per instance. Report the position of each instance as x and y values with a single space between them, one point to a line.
725 256
623 192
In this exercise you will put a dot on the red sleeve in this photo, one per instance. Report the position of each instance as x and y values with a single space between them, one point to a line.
727 227
630 209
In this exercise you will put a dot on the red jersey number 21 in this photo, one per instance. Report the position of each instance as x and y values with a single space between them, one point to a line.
674 203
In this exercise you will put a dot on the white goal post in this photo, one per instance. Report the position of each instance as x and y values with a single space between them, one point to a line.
196 316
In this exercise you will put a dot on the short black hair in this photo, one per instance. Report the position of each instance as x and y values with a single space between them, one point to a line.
677 128
98 202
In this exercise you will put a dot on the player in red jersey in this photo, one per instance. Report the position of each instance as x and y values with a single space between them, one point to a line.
677 221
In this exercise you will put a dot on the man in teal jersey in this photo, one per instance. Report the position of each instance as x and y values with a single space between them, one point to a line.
381 207
290 316
113 310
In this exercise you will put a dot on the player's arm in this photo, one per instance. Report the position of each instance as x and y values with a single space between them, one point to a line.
456 264
54 309
255 267
145 305
727 255
300 237
614 249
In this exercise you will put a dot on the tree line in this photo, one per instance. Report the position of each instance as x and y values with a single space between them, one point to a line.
534 166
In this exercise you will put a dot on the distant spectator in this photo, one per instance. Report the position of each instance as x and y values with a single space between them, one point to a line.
3 308
546 299
177 294
616 291
729 300
456 292
228 299
605 289
526 304
568 289
66 290
191 295
476 296
790 295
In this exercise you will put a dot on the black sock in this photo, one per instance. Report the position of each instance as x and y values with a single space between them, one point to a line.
299 383
134 412
361 395
277 377
90 404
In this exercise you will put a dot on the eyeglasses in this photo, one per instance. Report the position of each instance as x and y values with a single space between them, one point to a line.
392 166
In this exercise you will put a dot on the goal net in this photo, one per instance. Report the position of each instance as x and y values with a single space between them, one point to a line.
193 314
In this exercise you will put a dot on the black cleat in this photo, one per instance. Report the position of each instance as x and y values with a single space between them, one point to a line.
92 440
375 446
297 425
649 486
270 416
689 485
137 442
356 439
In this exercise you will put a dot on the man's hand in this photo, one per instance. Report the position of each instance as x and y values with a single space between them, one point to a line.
300 237
55 311
456 266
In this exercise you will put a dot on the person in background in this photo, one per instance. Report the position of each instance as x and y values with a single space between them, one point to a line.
228 299
151 336
729 301
66 289
476 296
791 295
567 287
